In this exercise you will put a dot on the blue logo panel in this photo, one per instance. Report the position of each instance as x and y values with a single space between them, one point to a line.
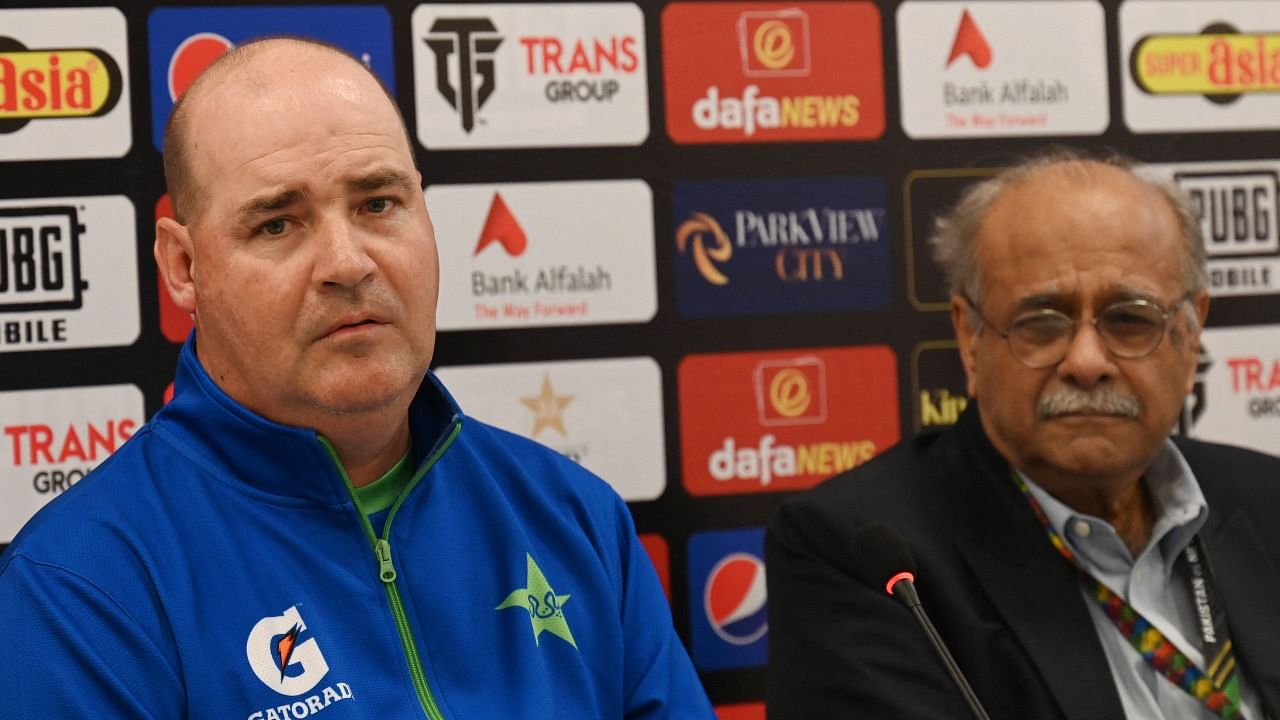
764 247
728 601
184 40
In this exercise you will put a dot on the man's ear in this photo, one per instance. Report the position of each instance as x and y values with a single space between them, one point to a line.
176 262
1199 306
967 338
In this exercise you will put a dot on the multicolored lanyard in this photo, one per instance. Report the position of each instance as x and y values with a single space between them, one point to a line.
1218 688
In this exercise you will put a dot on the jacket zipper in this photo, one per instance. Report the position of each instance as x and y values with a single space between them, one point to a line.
387 571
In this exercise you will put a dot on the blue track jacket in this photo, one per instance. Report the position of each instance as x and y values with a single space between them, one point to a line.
217 566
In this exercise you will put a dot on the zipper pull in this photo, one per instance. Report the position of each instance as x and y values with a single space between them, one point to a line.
386 570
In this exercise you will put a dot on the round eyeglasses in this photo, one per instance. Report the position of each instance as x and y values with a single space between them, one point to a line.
1041 338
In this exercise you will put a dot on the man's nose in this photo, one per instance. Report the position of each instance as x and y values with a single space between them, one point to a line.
342 258
1087 361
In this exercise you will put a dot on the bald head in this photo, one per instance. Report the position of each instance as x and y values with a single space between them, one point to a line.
252 69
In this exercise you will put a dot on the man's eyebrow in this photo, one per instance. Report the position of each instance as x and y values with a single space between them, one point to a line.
272 202
379 179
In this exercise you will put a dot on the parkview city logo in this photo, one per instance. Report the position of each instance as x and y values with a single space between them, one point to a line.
751 72
184 41
1201 66
1241 394
995 69
783 420
1238 205
514 260
68 275
728 599
604 414
53 438
63 84
536 75
780 246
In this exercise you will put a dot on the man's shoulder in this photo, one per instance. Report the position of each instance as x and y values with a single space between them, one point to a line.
1231 469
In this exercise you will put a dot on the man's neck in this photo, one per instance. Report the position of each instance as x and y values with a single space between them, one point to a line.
368 450
1124 502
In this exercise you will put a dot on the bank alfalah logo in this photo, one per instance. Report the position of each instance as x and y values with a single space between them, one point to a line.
473 40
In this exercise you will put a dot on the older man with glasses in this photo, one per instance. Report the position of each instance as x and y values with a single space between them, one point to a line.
1079 562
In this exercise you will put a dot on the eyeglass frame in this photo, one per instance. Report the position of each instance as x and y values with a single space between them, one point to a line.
1075 326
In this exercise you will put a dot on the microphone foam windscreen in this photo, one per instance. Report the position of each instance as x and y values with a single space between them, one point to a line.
879 553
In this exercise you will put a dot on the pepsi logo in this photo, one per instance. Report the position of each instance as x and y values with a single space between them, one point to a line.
735 599
191 58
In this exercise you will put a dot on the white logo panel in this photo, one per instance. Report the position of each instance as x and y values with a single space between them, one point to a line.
542 254
68 273
1239 207
72 103
1172 48
53 438
536 75
1002 69
1241 388
604 414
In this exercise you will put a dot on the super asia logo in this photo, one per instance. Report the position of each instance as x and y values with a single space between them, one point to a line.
291 664
54 83
1221 63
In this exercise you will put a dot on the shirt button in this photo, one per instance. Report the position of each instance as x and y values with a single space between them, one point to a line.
1082 528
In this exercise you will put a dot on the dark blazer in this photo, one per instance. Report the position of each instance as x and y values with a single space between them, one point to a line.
1006 603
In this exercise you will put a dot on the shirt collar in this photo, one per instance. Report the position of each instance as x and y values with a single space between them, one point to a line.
1179 505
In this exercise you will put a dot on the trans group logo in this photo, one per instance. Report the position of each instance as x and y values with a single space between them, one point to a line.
535 254
185 41
999 69
1202 66
52 439
1239 388
1238 205
783 420
68 273
748 247
754 72
603 414
728 603
535 75
64 88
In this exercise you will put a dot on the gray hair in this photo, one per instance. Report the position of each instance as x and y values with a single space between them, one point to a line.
955 231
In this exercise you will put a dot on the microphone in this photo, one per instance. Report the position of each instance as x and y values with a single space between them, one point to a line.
883 560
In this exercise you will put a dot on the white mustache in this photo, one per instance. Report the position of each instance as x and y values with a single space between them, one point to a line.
1101 400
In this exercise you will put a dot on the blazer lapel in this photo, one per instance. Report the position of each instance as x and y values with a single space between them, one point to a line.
1033 587
1246 581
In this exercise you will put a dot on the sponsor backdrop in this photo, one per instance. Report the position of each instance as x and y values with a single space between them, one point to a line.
683 243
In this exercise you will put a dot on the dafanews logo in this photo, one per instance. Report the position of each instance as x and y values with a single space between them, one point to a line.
574 407
516 262
63 84
51 439
530 75
938 388
728 603
783 420
748 72
291 664
1239 384
68 275
1202 66
780 246
998 69
1238 205
184 41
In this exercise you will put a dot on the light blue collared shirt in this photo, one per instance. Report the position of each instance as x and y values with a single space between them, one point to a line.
1153 584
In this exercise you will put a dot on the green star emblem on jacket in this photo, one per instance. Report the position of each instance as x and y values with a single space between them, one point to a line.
545 607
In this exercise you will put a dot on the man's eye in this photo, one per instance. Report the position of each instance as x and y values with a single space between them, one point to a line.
378 205
275 227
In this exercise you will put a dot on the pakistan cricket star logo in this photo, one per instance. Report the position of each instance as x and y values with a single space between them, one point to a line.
542 603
